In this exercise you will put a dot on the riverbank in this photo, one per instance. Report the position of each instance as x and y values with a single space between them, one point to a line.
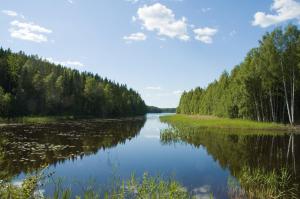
56 119
35 119
223 123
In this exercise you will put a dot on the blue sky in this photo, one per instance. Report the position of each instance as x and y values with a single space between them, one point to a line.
157 47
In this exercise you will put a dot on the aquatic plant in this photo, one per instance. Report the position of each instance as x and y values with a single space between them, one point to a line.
261 184
134 188
264 176
28 189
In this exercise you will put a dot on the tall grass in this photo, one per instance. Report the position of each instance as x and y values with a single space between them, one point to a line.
261 184
216 122
146 188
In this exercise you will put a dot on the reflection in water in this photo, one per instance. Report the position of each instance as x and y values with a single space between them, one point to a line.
202 160
26 148
238 150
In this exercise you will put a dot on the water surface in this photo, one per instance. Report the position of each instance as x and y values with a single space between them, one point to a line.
79 151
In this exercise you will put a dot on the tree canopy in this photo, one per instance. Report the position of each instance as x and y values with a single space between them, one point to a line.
30 85
264 87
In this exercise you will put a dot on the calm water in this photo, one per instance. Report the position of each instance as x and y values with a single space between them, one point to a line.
102 150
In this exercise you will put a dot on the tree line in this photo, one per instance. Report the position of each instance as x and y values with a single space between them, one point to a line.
154 109
30 85
264 87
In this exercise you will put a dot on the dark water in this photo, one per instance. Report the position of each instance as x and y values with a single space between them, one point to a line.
101 150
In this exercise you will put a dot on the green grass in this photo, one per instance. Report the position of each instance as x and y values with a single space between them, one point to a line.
216 122
35 119
261 184
54 119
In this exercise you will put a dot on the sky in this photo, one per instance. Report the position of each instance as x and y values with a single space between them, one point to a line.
157 47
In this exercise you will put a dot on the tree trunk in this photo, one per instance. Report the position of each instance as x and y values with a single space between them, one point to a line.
289 146
256 108
262 109
293 96
293 153
277 112
272 106
286 95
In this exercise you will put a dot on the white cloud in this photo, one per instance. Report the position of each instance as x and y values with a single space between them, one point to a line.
28 31
203 192
284 10
161 19
161 38
24 34
71 1
153 88
152 136
132 1
133 19
30 27
205 34
178 92
68 63
232 33
205 10
139 36
10 13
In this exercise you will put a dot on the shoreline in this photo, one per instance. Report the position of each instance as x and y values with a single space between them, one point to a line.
58 119
214 122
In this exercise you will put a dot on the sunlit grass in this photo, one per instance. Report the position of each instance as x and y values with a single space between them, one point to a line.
216 122
35 119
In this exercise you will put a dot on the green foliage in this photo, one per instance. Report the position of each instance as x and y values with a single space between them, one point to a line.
148 187
264 87
153 109
5 103
32 86
262 184
216 122
26 191
259 171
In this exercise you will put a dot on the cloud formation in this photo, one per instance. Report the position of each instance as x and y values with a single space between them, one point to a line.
139 36
205 10
178 92
69 63
29 31
153 88
205 35
10 13
132 1
284 10
161 19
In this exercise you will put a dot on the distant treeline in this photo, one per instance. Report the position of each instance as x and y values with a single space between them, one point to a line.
30 85
153 109
264 87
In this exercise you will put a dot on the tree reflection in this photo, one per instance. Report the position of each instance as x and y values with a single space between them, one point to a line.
234 150
26 148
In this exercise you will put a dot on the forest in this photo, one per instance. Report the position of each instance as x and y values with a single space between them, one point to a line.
265 86
32 86
154 109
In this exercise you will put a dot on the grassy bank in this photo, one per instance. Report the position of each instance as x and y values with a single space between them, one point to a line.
35 119
55 119
216 122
